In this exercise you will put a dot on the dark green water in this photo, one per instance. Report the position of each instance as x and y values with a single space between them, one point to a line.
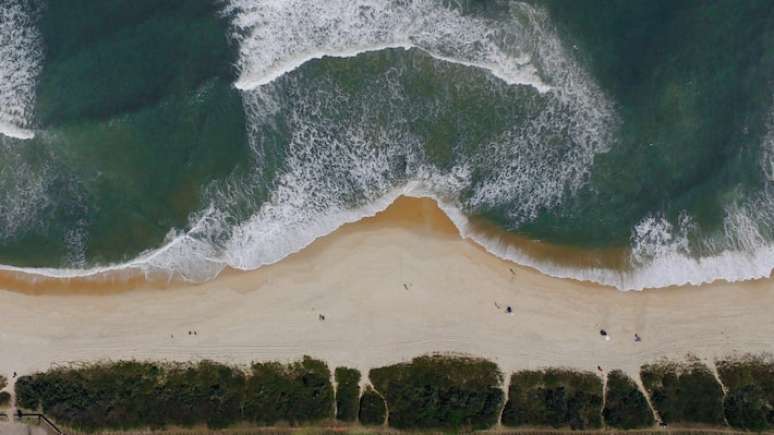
224 133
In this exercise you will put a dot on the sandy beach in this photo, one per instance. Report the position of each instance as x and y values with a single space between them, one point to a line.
391 287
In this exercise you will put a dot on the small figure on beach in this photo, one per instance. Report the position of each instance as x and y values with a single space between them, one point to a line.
405 286
599 368
512 271
637 338
195 332
603 333
189 333
497 305
14 374
509 310
321 317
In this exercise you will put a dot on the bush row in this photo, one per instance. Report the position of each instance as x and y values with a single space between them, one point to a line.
554 397
440 392
347 393
684 392
749 401
5 397
127 395
625 405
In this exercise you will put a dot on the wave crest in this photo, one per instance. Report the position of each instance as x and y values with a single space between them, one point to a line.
278 36
21 55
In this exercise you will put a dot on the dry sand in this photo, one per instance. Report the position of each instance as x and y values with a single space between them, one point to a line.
356 277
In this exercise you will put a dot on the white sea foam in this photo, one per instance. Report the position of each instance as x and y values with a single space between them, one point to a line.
277 36
327 167
23 194
20 62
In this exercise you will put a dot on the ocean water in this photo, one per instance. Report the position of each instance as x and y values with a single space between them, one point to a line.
183 137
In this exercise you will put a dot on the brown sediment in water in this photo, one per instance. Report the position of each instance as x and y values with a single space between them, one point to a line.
420 215
615 258
392 287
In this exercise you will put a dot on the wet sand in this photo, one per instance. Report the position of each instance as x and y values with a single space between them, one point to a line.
391 287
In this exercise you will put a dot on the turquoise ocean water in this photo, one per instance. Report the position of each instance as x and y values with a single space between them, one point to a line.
183 137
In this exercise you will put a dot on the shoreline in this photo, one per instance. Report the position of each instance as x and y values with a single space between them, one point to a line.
602 267
356 277
419 213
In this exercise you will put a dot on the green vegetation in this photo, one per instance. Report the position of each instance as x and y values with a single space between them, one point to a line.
207 391
441 392
373 410
297 393
684 392
347 393
625 405
5 399
429 392
126 395
749 402
554 397
3 382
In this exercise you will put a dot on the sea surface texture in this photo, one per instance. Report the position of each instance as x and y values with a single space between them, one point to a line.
178 138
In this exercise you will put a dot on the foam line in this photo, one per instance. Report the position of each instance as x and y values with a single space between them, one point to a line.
728 266
248 82
276 37
20 62
15 132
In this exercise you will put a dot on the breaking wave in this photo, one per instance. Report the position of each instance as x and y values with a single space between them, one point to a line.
20 60
279 36
327 151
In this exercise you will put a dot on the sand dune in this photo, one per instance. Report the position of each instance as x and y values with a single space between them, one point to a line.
391 287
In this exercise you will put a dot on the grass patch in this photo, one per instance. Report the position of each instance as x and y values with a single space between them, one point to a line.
554 397
684 392
441 392
625 405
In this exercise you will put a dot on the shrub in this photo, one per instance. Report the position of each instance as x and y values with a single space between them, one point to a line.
3 382
625 405
373 411
347 393
127 395
119 395
441 392
300 392
749 402
27 394
684 392
5 399
554 397
206 392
